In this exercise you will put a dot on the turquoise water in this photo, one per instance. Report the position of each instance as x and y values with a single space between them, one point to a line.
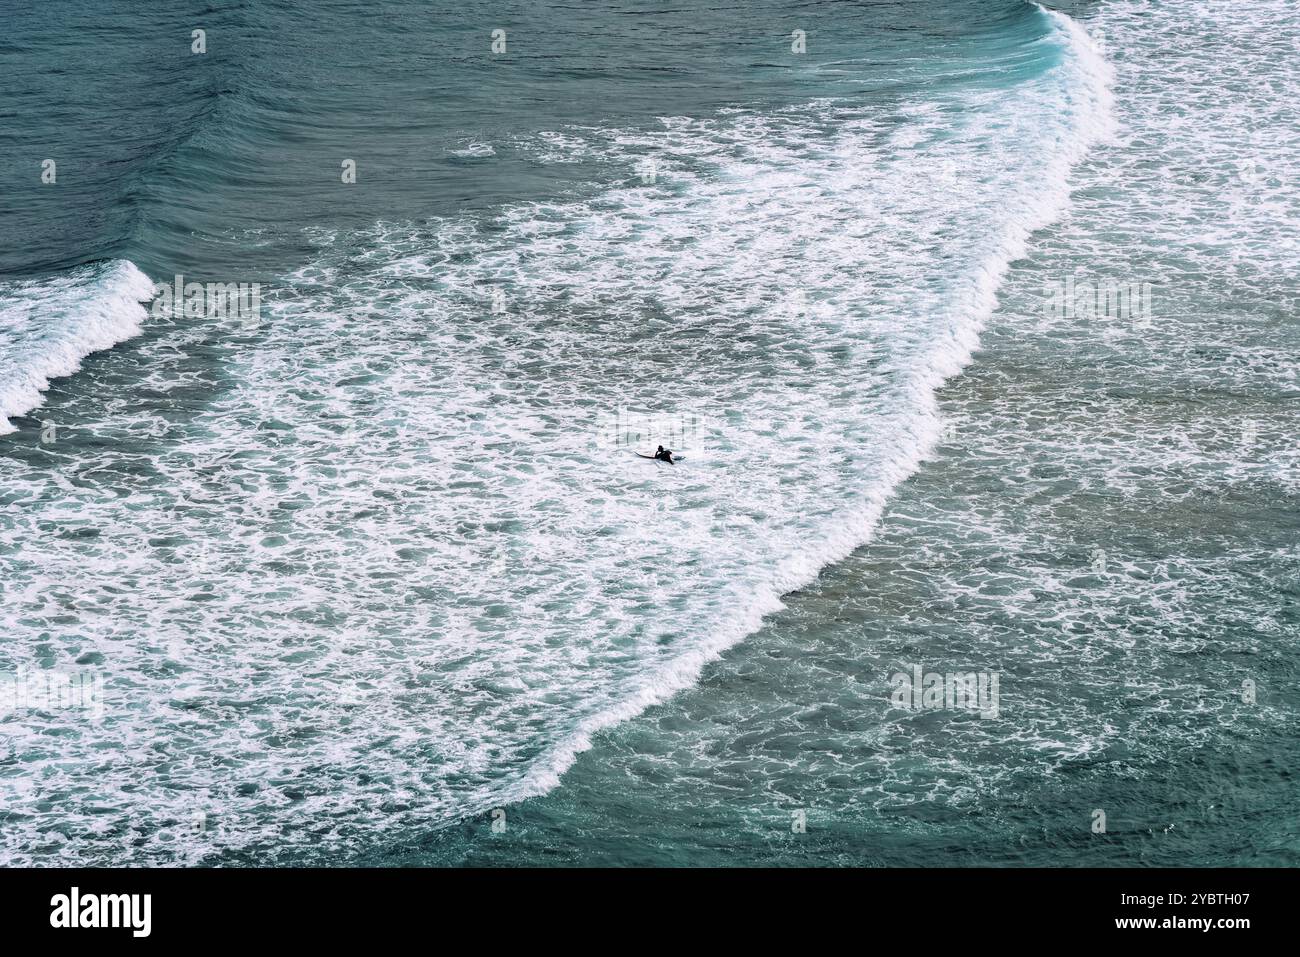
348 603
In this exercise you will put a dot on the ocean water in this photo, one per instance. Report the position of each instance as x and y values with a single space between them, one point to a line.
376 579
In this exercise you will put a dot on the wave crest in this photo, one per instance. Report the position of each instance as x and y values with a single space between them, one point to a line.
50 325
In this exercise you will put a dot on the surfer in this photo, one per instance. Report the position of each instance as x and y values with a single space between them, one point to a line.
661 454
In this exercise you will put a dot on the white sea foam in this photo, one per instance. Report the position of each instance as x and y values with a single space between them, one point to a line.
1086 112
48 326
397 563
475 149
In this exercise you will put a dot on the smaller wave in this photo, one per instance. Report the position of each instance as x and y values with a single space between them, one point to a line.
474 150
49 325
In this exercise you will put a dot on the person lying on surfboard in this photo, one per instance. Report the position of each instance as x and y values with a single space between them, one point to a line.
662 454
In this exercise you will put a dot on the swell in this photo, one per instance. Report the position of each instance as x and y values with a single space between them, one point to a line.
1089 100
